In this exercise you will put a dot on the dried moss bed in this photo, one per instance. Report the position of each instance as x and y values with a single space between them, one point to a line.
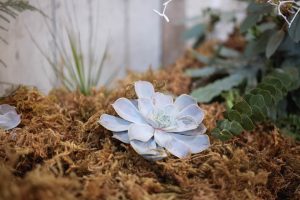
60 152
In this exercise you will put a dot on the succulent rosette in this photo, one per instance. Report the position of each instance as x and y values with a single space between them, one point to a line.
154 123
9 117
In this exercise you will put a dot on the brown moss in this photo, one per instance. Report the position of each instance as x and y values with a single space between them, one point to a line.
236 41
60 152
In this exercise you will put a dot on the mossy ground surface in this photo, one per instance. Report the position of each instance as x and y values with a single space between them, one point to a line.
60 152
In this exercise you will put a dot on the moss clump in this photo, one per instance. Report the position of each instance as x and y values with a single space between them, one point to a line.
60 152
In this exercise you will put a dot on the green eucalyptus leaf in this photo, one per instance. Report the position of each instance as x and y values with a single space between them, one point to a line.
234 115
216 132
285 78
258 46
224 124
255 12
276 94
230 128
258 114
294 30
259 8
236 128
249 22
230 97
274 42
268 87
196 31
266 26
243 107
280 94
289 46
226 134
276 82
269 100
247 123
247 97
222 135
294 75
200 57
290 125
229 53
202 72
251 49
258 100
207 93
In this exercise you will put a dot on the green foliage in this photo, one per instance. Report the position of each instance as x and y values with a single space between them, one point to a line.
204 28
207 93
274 42
230 97
11 8
76 65
255 12
290 126
196 31
202 72
272 31
72 70
230 65
258 104
294 30
272 48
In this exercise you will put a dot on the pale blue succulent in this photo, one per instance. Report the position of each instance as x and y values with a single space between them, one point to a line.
9 117
155 122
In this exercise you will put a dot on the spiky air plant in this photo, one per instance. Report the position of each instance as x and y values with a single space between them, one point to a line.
76 66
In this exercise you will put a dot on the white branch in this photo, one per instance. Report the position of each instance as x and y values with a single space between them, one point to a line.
164 10
282 3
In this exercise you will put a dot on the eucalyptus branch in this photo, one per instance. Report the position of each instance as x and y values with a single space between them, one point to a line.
258 105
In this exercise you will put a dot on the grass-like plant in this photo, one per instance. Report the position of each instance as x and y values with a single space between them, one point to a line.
71 69
74 69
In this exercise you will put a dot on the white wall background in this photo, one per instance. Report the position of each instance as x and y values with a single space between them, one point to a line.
132 29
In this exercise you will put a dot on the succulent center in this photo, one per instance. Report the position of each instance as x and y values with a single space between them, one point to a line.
163 119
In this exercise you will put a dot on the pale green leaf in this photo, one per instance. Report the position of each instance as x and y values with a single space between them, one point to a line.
229 53
274 42
202 72
194 32
207 93
294 30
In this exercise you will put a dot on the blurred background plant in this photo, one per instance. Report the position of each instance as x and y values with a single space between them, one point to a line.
271 34
9 10
227 67
72 68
